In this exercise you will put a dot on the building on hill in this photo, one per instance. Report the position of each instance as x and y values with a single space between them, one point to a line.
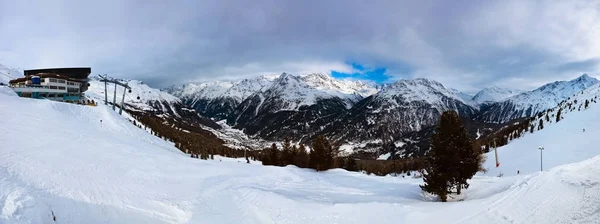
60 84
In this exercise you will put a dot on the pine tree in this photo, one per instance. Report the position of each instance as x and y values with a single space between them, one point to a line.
587 102
292 155
321 154
301 158
351 164
547 117
274 155
558 115
452 159
317 153
264 157
286 153
541 125
531 129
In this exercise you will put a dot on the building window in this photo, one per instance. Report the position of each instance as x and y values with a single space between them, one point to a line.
61 87
61 81
52 87
52 80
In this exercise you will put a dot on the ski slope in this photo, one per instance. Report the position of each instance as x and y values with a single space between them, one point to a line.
563 142
56 158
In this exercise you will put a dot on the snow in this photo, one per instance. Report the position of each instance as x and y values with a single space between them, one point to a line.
5 90
346 149
421 89
58 159
465 97
322 81
493 94
384 156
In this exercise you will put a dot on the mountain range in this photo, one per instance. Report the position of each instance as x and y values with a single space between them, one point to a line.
360 115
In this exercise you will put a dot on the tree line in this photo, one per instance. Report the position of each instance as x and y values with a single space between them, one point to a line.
198 143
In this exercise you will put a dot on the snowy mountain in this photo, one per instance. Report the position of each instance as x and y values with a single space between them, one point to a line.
493 94
339 87
467 98
294 105
218 99
402 107
528 104
118 173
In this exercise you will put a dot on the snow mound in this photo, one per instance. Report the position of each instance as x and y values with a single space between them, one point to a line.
5 90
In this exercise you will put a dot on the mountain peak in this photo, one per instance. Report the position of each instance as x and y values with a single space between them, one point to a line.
493 94
585 78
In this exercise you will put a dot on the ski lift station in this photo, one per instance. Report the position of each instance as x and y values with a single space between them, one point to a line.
59 84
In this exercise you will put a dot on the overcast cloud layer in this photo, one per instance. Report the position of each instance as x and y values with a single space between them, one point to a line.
463 44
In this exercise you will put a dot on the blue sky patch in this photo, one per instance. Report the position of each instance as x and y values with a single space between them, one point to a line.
377 75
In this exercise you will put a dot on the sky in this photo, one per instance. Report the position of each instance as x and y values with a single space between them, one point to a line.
465 45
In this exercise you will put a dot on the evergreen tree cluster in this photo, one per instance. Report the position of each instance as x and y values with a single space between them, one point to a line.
321 156
196 141
510 132
391 167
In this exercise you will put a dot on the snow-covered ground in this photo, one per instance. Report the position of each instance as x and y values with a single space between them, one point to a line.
56 158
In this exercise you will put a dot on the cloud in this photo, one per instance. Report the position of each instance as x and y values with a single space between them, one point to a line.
464 44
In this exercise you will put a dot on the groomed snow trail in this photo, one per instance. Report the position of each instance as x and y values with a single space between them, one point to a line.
56 158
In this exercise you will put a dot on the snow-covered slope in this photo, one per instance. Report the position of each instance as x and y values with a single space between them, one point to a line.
6 74
529 103
564 141
82 172
493 94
